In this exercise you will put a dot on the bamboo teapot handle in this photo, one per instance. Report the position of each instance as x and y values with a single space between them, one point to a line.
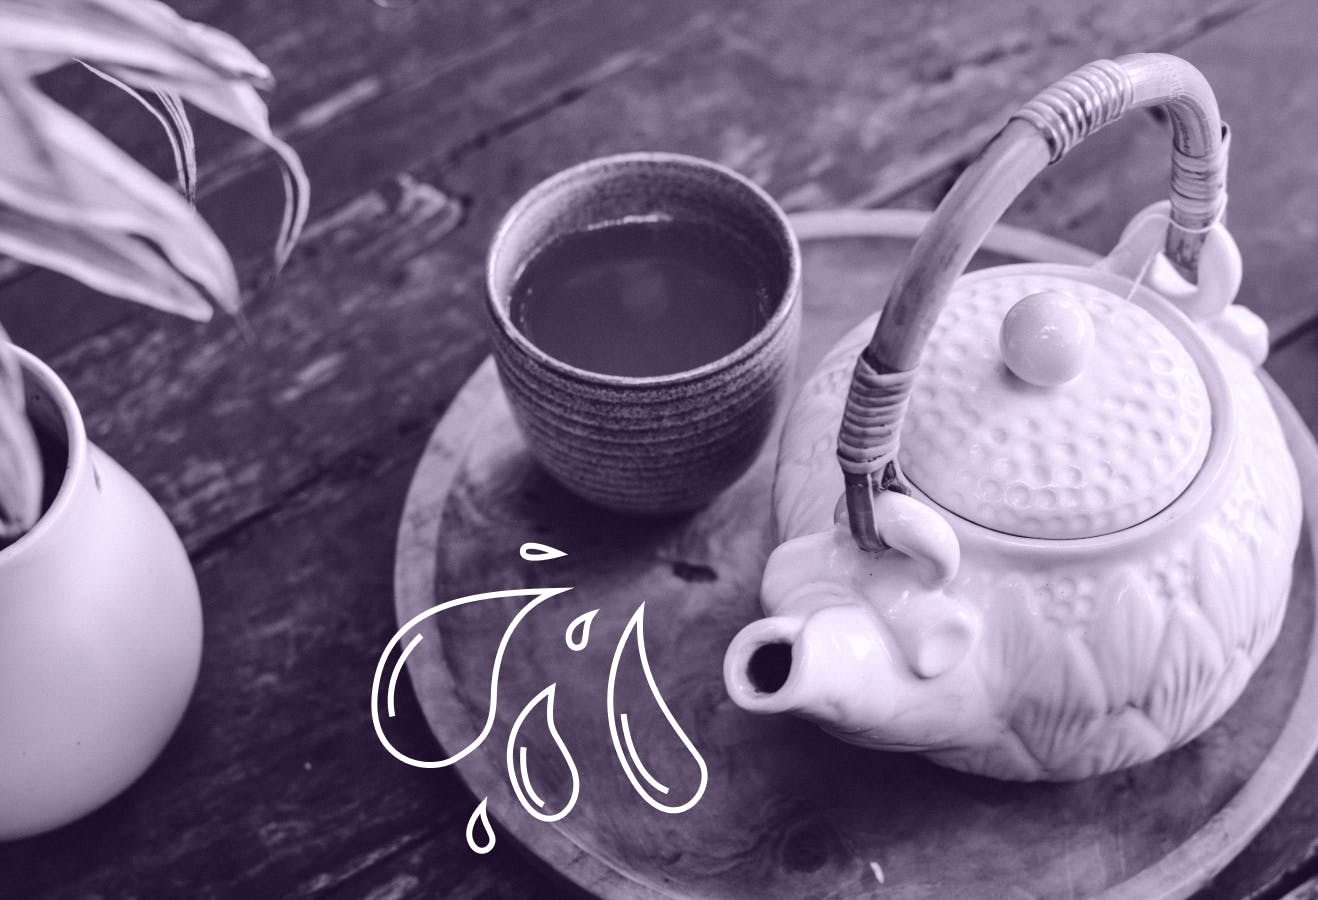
1038 135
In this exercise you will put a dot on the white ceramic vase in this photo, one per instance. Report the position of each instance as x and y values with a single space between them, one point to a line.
100 632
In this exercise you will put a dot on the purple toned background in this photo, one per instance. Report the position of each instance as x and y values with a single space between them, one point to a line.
282 447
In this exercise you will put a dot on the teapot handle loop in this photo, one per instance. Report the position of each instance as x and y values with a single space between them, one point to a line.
1038 135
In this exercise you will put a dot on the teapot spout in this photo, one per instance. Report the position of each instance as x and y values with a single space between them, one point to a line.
759 664
829 667
844 668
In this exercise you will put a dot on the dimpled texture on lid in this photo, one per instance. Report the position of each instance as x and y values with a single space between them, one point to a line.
1100 453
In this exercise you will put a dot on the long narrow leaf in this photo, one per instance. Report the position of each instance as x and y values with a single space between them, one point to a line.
143 34
222 50
20 460
109 261
169 112
65 171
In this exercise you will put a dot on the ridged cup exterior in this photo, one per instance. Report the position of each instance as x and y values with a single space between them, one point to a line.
661 444
650 449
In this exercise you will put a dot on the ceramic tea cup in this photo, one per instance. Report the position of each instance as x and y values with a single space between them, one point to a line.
654 443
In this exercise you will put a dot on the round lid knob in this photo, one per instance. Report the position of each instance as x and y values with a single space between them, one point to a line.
1047 338
1119 432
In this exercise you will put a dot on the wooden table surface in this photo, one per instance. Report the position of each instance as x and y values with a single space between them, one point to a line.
282 445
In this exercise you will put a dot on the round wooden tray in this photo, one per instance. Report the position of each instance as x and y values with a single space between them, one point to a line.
788 812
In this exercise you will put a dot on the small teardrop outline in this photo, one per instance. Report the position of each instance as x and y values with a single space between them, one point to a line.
480 816
580 624
547 697
632 766
535 552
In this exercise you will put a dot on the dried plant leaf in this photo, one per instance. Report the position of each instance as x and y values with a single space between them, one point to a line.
20 459
173 118
178 115
241 106
61 169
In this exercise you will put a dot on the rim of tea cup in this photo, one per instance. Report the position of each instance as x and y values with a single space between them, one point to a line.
784 300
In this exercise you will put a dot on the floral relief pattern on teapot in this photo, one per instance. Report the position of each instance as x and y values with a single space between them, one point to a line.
1116 603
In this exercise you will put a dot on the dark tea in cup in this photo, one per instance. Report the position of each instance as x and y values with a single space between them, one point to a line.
642 296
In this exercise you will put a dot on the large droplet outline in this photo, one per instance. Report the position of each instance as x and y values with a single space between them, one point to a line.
620 729
539 595
520 777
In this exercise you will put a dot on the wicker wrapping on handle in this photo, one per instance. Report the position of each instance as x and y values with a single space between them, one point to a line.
1041 133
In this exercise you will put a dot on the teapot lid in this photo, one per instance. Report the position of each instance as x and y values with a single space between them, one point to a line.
1045 406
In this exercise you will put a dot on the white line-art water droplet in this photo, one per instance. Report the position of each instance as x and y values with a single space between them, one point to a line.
533 552
578 632
518 773
483 842
410 635
621 733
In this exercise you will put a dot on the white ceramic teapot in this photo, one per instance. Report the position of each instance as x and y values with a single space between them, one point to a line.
1069 514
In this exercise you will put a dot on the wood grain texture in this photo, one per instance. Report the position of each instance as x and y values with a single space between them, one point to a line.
282 447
